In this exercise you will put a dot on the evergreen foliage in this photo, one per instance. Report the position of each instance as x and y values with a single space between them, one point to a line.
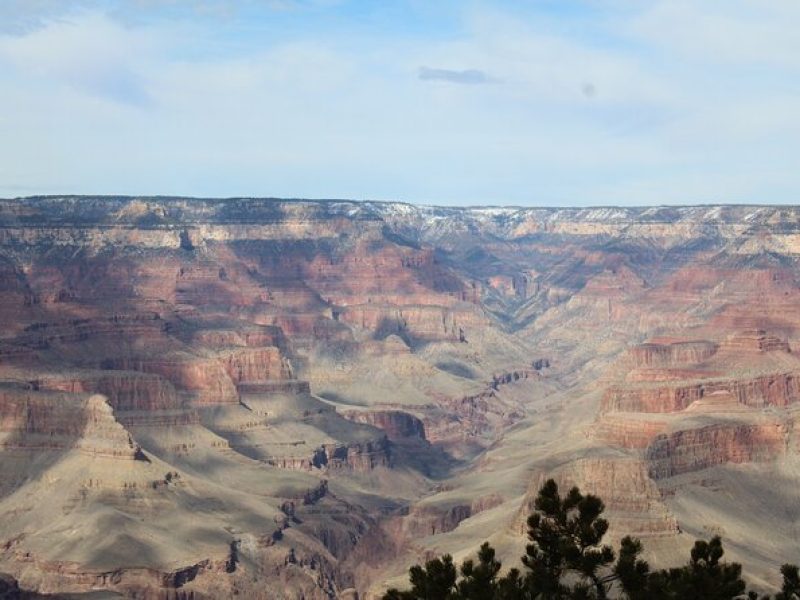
566 560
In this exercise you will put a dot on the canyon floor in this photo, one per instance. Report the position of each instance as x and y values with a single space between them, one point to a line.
202 398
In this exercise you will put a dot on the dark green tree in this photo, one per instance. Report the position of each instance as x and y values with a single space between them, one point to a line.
566 536
791 583
633 573
511 587
435 581
706 577
566 560
479 581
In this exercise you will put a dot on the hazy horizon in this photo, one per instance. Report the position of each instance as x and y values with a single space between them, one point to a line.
420 204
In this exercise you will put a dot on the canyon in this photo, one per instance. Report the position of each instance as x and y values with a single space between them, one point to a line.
202 398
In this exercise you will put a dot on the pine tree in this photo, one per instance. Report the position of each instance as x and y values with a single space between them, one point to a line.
633 573
567 561
791 583
566 535
706 577
510 587
435 581
479 581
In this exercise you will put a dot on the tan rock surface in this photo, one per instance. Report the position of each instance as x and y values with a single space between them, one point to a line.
202 398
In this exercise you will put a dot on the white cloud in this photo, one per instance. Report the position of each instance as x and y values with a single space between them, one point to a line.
99 102
89 52
738 33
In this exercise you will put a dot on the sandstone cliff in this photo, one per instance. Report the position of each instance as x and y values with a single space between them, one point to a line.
292 392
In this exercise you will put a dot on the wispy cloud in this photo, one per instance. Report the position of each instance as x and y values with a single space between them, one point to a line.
467 76
640 102
21 16
88 52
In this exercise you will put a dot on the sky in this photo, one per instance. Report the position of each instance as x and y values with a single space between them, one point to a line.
450 102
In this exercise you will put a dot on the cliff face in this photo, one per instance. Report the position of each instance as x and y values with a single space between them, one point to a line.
358 457
33 421
397 424
125 390
696 449
666 354
633 502
775 389
164 358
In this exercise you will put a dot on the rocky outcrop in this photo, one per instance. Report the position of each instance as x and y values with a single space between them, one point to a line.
436 518
469 417
221 339
133 581
512 376
779 389
42 335
125 390
519 285
57 419
419 322
103 435
627 431
203 380
633 501
426 520
286 386
694 449
396 424
36 421
755 340
671 353
359 457
199 321
691 405
255 364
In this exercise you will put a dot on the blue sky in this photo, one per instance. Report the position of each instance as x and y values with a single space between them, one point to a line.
556 102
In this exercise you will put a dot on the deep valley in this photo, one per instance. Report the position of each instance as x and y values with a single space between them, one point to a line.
299 399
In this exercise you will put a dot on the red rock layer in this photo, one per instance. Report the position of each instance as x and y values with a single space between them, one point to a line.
286 386
396 424
780 389
360 457
56 416
248 365
221 338
205 380
469 417
427 520
755 340
626 432
668 354
76 336
695 449
125 390
417 322
53 421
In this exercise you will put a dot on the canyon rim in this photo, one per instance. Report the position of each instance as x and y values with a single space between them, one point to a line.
204 398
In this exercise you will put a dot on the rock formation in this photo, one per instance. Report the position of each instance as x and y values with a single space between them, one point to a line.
209 398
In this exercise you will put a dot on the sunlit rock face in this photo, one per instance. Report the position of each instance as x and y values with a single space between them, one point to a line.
299 399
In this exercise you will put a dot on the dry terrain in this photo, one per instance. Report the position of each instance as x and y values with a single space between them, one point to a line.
291 399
